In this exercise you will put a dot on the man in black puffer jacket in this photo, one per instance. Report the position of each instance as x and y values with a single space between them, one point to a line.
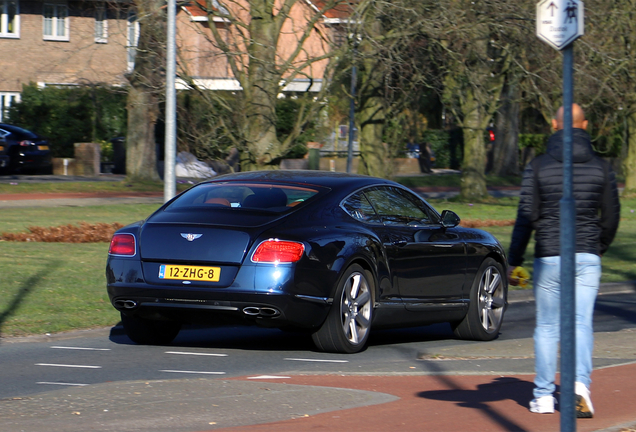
597 217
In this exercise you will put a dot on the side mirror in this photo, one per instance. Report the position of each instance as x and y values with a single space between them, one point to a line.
450 219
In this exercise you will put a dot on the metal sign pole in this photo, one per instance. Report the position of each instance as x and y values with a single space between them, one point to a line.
568 248
559 24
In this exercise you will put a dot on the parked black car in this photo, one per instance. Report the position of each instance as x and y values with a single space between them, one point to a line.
26 150
328 253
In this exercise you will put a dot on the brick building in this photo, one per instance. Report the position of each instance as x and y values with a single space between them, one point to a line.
63 43
66 42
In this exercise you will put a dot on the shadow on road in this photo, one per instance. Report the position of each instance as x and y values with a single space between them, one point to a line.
502 388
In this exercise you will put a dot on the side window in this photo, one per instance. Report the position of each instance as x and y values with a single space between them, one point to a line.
56 22
397 207
101 23
358 207
9 19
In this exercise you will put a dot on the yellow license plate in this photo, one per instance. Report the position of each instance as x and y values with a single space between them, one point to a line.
1 148
43 147
191 273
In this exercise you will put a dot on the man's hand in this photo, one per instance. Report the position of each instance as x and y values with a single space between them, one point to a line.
512 281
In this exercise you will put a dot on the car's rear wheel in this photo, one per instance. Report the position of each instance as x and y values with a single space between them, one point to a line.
150 332
488 297
346 329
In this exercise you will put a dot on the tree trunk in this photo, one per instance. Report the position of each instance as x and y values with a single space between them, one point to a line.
141 155
374 155
374 158
261 90
630 161
146 86
506 145
473 179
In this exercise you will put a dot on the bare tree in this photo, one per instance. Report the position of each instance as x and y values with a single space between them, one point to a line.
268 46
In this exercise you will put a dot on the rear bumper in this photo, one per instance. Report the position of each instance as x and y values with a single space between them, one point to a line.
210 307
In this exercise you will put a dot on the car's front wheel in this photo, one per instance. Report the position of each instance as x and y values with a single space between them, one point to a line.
346 329
149 332
488 297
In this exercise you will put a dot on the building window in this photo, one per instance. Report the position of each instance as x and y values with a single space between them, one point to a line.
6 99
132 39
101 24
56 22
9 18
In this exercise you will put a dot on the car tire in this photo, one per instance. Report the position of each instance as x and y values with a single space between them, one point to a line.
346 329
488 301
149 332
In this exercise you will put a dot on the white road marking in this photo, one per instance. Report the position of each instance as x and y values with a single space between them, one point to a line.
68 366
195 353
80 348
269 377
317 360
62 384
192 372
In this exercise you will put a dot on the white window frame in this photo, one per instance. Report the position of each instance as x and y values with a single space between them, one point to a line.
57 22
6 98
4 19
101 23
132 38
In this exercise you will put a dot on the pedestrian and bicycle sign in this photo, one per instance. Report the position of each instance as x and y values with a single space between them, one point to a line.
559 22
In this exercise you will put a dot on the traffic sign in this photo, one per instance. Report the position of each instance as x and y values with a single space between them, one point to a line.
559 22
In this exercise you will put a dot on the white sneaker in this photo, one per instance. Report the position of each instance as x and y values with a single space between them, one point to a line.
543 405
584 408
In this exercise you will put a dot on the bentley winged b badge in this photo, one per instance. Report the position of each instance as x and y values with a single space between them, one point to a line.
190 237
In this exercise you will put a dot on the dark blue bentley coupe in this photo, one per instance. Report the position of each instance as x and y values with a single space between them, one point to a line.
331 254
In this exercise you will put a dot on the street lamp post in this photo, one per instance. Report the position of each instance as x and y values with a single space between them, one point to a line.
355 40
170 145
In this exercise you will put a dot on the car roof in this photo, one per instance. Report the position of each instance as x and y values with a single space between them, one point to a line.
18 130
306 177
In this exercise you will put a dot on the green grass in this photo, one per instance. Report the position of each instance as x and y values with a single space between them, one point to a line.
453 180
55 287
87 186
18 219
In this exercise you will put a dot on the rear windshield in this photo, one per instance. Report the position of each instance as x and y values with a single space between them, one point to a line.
18 132
248 196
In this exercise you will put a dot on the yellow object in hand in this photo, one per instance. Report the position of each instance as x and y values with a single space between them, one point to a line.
521 276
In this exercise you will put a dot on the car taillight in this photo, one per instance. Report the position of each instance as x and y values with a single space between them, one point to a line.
122 244
278 251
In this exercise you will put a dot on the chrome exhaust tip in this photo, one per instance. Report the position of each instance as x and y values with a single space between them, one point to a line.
269 312
125 304
264 312
251 311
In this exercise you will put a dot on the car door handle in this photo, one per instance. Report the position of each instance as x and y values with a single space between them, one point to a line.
400 243
443 245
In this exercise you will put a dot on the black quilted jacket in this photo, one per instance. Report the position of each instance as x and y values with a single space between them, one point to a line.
595 193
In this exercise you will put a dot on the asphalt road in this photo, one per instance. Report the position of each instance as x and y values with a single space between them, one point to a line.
46 363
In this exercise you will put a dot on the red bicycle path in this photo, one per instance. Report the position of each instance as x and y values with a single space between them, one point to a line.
461 403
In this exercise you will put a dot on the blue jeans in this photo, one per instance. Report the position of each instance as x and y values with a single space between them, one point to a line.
547 293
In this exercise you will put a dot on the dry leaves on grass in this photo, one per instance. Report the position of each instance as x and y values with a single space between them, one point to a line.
84 233
480 223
